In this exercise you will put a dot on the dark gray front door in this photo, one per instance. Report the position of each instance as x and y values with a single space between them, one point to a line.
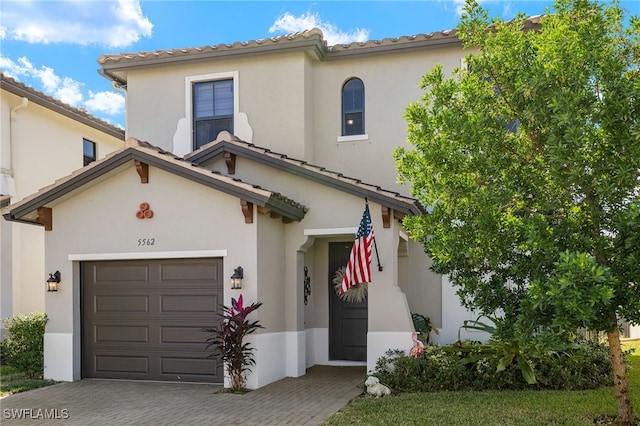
142 319
347 321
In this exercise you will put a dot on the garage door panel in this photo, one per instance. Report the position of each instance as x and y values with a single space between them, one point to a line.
121 334
188 303
131 303
116 273
122 364
185 367
150 329
182 335
188 271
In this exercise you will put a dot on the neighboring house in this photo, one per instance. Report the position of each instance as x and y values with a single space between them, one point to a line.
42 139
259 155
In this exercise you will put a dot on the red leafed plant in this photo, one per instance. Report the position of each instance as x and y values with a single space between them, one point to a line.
228 340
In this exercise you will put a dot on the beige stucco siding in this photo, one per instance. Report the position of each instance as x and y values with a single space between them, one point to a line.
271 94
38 147
332 208
270 272
390 84
102 219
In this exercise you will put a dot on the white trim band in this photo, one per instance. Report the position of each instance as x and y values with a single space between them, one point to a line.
149 255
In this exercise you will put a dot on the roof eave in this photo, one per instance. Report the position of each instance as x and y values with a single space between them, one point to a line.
259 197
281 164
387 47
313 46
36 98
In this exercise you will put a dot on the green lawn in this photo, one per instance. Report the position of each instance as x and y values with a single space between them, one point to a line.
520 408
13 381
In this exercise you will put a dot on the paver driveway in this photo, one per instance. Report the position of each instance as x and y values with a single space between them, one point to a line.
306 400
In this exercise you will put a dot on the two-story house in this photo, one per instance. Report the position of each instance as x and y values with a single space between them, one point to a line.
41 139
257 155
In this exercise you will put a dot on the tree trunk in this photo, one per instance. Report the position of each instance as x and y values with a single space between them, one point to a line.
625 412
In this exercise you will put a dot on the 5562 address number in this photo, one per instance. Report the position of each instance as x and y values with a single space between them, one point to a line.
146 242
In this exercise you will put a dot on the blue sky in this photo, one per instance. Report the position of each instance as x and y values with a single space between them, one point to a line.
53 46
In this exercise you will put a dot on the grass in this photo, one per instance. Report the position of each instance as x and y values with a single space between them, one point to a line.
522 408
13 381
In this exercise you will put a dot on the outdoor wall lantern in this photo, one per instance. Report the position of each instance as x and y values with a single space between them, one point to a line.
236 278
53 281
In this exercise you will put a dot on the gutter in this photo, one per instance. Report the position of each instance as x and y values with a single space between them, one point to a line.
122 90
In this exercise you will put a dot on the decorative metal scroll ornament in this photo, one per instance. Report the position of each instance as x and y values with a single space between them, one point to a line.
307 285
357 293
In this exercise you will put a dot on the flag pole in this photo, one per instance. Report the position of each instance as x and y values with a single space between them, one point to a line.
375 245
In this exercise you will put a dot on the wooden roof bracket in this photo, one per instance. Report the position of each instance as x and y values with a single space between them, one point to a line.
386 217
143 171
247 211
45 217
230 159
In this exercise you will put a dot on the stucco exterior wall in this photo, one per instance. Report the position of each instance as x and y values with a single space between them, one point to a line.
270 266
390 84
38 146
188 218
271 94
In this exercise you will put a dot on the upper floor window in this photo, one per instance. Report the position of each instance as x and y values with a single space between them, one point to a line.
353 107
88 152
212 110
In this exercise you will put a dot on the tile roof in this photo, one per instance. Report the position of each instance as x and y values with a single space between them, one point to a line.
24 210
227 142
20 89
311 40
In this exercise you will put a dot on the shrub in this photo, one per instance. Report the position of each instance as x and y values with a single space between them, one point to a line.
24 348
584 365
228 340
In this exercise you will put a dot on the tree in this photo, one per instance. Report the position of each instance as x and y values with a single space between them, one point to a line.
530 161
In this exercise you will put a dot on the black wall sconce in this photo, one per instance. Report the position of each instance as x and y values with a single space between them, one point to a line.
236 278
53 281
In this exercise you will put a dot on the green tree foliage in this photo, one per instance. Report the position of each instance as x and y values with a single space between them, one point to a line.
530 162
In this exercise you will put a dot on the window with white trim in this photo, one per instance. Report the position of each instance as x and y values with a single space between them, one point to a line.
212 110
353 107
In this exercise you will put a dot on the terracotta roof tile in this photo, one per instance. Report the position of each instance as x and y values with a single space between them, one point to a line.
20 89
314 35
151 154
225 140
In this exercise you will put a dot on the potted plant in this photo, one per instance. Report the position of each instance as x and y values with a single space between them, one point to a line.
228 340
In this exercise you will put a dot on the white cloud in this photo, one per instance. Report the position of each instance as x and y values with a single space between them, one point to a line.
65 89
289 23
106 102
108 23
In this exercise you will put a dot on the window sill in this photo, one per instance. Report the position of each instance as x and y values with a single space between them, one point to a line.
353 138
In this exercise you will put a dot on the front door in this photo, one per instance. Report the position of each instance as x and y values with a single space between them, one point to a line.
347 321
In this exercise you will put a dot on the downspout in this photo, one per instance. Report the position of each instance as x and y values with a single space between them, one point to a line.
122 89
7 185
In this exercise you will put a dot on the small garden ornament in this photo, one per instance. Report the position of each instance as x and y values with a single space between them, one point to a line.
375 388
418 346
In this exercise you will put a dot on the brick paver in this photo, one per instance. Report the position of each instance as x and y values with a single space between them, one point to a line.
306 400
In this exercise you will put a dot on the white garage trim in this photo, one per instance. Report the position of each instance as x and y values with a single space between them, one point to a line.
149 255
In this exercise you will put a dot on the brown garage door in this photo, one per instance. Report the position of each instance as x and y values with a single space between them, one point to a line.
143 319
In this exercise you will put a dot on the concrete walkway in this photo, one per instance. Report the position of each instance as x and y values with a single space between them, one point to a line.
307 400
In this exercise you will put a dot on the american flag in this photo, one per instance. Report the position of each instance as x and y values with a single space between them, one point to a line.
359 266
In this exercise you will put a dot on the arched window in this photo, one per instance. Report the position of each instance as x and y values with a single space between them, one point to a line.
353 107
